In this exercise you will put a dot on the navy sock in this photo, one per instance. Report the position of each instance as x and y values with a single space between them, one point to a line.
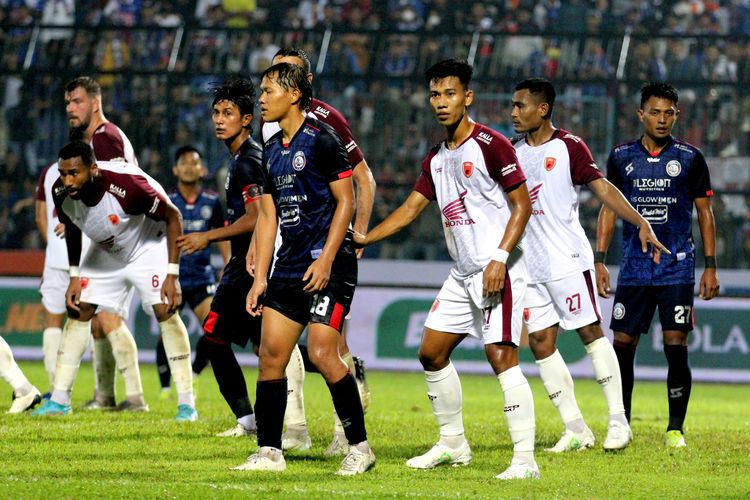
270 406
349 408
229 376
626 359
201 357
679 384
162 365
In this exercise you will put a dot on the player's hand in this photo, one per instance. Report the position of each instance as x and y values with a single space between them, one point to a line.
317 276
252 303
493 278
709 286
73 294
192 242
360 241
648 238
250 260
171 293
602 280
60 230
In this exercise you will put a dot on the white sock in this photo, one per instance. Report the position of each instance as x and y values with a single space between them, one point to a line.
177 346
607 372
559 385
444 391
126 355
75 337
248 422
105 366
295 398
11 372
50 345
519 412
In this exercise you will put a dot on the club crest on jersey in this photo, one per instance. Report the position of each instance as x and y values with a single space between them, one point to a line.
299 161
549 163
206 212
618 312
468 168
674 168
113 219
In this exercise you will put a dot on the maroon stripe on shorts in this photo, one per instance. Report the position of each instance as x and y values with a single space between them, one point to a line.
506 298
590 287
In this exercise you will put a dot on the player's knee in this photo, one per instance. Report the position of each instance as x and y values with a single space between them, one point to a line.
543 344
590 333
433 360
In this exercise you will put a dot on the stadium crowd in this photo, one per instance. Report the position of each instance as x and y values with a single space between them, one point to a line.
154 78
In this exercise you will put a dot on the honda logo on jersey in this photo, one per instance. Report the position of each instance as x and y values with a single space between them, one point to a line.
455 212
468 168
549 163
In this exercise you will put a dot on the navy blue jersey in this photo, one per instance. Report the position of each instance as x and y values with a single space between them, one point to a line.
198 215
662 188
246 179
300 174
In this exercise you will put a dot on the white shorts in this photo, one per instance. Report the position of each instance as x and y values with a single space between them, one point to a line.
460 308
571 301
54 285
110 284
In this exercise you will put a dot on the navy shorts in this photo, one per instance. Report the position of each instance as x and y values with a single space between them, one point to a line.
228 321
635 306
195 295
329 306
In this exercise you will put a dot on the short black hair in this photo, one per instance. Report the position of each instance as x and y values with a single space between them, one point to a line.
658 89
450 67
291 76
295 52
186 149
240 91
77 149
88 84
540 87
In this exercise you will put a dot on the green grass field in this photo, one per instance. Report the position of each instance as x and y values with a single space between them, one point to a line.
104 454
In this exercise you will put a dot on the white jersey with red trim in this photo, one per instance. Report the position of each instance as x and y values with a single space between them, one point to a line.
470 184
555 244
128 219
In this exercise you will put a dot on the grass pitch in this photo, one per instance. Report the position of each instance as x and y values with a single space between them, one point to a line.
104 454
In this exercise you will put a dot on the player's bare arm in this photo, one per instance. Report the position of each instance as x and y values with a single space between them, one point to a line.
709 284
265 237
493 277
404 215
171 293
365 186
319 272
73 243
614 199
250 256
605 228
41 219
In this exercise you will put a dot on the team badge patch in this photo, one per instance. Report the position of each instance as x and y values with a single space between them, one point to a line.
468 168
113 219
206 212
84 282
549 163
674 168
618 312
299 161
526 313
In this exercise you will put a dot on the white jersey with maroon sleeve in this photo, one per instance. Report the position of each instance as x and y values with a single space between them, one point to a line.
469 184
109 142
56 253
129 218
555 245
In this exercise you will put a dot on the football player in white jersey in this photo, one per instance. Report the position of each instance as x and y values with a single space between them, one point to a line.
480 188
133 230
562 283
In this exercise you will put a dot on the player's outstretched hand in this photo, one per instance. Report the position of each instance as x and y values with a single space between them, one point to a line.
252 303
493 278
73 294
602 280
171 293
192 242
648 238
709 286
317 276
60 230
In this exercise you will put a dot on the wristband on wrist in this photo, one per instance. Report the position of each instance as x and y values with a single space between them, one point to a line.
500 255
710 262
173 269
600 257
74 271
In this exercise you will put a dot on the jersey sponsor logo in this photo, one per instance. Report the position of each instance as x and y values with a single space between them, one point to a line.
206 212
455 212
618 312
113 219
309 131
322 111
283 181
153 208
59 189
629 169
534 193
289 215
192 225
652 184
674 168
350 147
549 163
285 152
572 137
653 160
299 161
508 169
117 190
683 148
655 214
468 168
484 137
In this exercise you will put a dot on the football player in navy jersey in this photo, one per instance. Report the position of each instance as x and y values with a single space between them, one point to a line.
228 322
201 210
315 272
663 178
